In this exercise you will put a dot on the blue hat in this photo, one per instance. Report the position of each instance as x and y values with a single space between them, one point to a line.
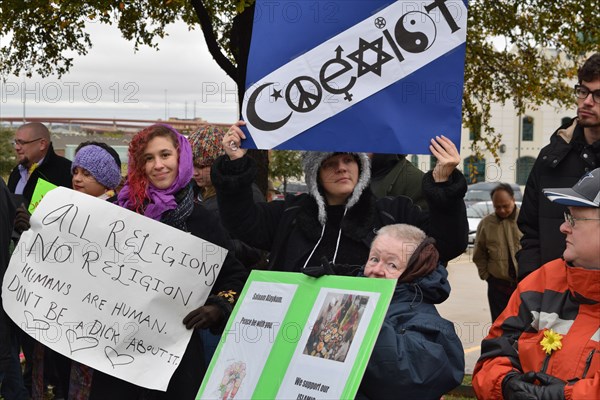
100 164
585 193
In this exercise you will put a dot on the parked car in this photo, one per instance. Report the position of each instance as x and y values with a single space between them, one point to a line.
481 192
296 187
476 212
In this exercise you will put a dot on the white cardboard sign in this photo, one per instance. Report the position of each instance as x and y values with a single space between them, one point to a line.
108 287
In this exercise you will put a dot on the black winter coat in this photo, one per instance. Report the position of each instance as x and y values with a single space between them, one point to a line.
560 164
54 169
290 229
187 378
7 217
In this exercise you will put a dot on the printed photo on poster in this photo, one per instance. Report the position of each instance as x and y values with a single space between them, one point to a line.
335 328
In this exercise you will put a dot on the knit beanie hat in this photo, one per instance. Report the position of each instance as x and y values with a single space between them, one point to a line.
207 145
100 164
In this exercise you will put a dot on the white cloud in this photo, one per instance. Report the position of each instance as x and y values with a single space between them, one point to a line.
113 81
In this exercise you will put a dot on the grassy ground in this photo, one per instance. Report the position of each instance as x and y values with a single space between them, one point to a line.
465 390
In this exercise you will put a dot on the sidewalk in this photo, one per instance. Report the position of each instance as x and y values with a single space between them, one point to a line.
467 307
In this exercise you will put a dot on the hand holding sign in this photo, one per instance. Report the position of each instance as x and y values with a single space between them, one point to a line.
447 157
232 141
203 317
22 219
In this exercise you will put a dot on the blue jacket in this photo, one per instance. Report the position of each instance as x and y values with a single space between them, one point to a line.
417 354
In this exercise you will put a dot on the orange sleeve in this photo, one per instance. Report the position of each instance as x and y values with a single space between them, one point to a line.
584 389
498 354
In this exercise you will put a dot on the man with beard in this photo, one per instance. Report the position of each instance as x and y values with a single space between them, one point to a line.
574 149
37 159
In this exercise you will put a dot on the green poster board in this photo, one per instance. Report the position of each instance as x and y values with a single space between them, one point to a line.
41 188
294 336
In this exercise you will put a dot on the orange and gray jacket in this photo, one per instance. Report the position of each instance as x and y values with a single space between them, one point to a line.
557 296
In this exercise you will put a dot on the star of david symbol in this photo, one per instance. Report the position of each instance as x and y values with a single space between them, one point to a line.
376 46
380 22
276 94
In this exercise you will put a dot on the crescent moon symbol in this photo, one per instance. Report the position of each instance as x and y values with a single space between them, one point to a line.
257 121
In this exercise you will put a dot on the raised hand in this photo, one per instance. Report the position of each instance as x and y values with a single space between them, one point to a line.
447 158
232 141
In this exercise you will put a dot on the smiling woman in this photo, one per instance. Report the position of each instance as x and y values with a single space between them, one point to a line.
159 172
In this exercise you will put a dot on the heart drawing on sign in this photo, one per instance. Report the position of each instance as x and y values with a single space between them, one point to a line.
34 323
117 359
77 343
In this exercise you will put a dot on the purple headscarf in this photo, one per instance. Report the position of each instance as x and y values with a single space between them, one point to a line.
161 200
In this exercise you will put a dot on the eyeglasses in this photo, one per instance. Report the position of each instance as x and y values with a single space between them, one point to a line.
24 142
571 220
582 92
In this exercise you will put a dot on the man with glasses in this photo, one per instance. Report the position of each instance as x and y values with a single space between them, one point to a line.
574 149
546 343
37 159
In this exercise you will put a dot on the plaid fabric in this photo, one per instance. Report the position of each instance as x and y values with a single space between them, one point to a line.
80 382
37 373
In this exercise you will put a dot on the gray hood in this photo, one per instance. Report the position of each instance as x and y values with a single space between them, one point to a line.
311 162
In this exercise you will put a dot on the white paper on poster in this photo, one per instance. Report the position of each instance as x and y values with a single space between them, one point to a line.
108 287
249 341
329 345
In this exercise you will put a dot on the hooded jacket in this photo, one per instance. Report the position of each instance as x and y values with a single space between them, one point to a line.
557 296
560 164
417 352
292 229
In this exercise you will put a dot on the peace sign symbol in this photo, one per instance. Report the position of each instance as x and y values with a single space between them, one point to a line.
305 100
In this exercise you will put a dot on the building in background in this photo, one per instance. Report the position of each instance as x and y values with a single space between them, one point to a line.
523 136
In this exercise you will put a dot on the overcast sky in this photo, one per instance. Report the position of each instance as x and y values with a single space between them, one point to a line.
114 81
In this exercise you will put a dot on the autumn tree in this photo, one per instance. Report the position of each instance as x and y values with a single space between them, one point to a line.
40 36
285 164
7 152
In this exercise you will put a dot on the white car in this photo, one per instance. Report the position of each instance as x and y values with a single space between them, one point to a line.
476 212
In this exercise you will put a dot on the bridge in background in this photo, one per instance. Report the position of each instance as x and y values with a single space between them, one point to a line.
103 125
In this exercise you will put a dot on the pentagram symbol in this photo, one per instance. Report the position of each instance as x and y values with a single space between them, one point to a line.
276 94
306 100
345 67
379 22
377 47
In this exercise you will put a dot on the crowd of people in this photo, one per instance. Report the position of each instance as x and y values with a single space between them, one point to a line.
543 291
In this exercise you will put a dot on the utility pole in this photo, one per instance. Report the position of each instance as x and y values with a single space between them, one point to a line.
166 106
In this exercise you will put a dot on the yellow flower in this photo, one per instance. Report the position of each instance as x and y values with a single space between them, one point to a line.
551 341
228 295
32 168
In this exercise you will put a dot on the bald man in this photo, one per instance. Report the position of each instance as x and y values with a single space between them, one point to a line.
37 159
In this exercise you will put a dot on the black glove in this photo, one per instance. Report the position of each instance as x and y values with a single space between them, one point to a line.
22 219
517 386
513 386
317 271
203 317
